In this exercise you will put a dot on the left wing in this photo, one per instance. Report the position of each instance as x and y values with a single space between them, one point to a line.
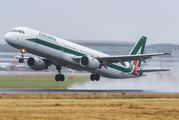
17 57
47 61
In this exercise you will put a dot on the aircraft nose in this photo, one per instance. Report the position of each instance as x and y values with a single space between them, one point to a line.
7 37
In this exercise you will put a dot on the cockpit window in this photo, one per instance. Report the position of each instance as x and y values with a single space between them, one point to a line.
19 31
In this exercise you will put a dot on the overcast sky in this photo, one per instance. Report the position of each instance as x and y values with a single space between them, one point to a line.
109 20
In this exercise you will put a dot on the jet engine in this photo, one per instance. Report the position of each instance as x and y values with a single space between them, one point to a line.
36 63
89 63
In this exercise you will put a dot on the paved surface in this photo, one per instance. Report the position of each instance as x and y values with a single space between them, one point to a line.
57 91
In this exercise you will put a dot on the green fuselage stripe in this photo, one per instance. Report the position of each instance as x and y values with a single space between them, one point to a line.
76 53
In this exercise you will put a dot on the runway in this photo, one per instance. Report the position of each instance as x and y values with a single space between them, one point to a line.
72 91
132 86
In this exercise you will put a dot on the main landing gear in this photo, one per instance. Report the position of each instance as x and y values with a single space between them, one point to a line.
94 77
21 60
59 77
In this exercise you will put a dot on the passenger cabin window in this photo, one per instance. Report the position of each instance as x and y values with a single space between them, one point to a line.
19 31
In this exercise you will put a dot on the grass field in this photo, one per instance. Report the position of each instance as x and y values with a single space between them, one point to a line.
89 109
80 106
39 81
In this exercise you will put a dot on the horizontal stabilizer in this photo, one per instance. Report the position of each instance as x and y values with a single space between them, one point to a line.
152 70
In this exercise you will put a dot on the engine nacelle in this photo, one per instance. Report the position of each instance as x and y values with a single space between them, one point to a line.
36 63
89 63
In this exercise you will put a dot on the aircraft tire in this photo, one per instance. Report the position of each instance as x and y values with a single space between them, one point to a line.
57 77
62 77
92 77
20 60
97 77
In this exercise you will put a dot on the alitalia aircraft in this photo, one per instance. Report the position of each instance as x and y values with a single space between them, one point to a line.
60 52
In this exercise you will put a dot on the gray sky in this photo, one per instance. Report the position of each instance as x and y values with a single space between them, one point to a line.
113 20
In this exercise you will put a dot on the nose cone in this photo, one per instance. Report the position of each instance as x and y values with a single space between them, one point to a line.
7 37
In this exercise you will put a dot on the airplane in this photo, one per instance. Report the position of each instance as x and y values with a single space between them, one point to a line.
8 66
62 53
163 64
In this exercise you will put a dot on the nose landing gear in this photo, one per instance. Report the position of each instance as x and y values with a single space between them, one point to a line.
21 60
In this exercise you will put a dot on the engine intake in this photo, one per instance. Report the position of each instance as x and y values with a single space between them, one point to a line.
36 63
89 63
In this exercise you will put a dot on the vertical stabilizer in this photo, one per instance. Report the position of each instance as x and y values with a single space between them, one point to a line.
138 49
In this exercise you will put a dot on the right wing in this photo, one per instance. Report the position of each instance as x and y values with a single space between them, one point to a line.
123 58
106 60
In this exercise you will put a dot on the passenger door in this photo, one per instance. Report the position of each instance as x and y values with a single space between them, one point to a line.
61 46
34 39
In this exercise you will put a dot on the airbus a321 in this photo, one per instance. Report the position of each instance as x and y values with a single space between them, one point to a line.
60 52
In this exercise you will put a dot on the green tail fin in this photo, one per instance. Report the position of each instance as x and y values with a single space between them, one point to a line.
139 49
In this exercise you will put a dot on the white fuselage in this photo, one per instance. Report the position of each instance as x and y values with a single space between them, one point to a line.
61 52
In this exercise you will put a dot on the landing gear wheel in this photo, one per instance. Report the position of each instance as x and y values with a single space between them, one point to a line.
21 60
57 77
62 77
97 77
23 51
92 77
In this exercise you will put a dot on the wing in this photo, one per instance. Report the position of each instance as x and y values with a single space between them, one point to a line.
152 70
47 61
123 58
17 57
